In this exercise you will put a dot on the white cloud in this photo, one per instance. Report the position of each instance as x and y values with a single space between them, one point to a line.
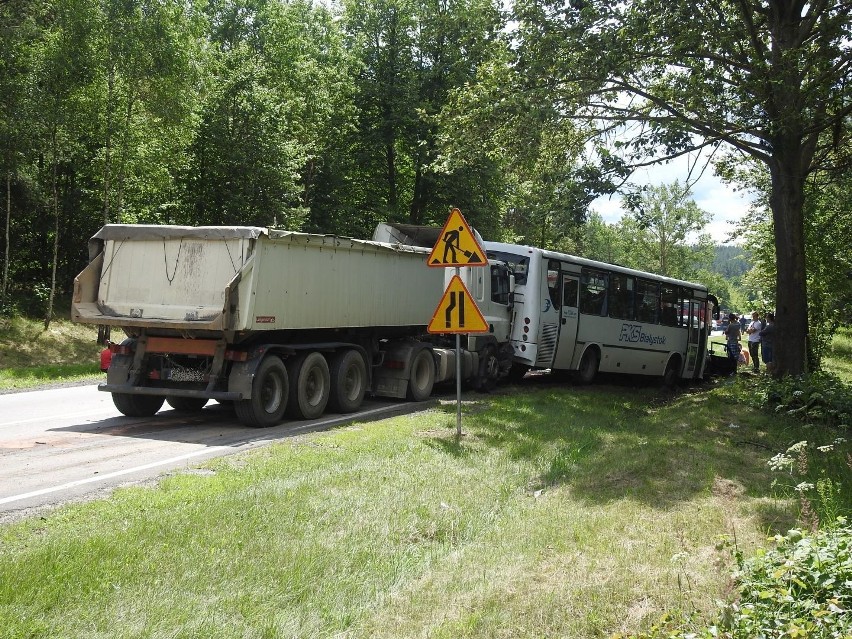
725 205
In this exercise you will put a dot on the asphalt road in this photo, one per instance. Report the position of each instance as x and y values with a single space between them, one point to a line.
69 444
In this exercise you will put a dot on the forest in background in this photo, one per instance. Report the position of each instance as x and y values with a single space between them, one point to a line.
333 117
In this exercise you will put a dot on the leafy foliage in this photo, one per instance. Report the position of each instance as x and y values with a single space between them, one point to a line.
801 588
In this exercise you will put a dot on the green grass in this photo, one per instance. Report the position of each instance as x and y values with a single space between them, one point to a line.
31 356
838 359
576 512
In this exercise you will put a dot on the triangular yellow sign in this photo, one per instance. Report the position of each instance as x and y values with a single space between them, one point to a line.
457 312
456 245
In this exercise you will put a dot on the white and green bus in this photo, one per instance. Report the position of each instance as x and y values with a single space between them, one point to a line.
583 316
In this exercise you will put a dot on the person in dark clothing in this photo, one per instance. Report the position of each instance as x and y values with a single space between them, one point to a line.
733 334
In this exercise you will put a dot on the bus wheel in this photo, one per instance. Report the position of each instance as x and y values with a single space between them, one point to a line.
348 381
422 376
588 367
489 370
671 375
310 385
137 405
269 393
187 404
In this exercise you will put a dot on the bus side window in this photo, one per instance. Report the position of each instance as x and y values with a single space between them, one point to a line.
593 293
670 303
647 301
621 296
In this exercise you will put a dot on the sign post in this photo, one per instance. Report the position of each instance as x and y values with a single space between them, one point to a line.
457 311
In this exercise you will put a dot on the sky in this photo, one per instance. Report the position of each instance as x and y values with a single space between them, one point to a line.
724 204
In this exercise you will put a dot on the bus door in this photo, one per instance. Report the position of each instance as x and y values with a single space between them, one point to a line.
694 350
568 322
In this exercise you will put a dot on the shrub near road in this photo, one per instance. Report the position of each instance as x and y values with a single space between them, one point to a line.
576 512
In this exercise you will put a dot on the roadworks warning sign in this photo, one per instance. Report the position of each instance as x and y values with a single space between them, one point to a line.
456 245
457 312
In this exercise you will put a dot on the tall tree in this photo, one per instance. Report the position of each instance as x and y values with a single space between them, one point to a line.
664 229
767 78
413 54
61 75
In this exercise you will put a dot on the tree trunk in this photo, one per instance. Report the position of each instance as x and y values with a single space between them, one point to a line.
49 313
390 158
787 204
6 256
418 200
108 142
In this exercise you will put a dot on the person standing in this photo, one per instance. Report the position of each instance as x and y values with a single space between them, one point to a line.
733 336
753 331
767 336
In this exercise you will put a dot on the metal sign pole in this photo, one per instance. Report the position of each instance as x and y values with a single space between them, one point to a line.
458 377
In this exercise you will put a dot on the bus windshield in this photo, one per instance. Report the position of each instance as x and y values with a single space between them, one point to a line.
518 264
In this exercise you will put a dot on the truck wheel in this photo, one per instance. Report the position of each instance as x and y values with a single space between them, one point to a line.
187 404
348 381
310 386
422 376
489 370
269 394
137 405
588 367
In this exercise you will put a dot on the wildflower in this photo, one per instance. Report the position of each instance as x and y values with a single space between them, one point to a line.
825 449
804 487
780 462
798 446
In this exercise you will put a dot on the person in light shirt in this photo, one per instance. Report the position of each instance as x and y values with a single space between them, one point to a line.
753 332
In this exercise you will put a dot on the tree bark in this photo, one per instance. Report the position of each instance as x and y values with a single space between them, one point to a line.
787 204
48 316
6 255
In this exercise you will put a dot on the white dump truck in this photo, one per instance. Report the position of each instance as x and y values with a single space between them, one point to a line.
279 323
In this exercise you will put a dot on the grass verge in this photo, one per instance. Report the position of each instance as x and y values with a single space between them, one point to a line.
577 512
31 356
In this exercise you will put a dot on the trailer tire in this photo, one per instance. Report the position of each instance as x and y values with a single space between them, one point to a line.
269 393
588 369
137 405
310 386
422 378
348 381
187 404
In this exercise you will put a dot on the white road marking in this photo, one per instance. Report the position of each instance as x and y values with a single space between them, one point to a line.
105 476
43 418
172 460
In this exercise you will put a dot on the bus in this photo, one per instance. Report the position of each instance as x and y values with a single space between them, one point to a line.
572 314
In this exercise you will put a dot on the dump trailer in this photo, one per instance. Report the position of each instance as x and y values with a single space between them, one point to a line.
280 323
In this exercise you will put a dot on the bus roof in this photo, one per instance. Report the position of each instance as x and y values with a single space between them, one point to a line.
582 261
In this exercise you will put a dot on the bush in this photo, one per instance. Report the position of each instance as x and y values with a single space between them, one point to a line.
801 588
817 398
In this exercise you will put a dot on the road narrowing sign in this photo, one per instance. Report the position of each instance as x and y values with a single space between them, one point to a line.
457 312
456 245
